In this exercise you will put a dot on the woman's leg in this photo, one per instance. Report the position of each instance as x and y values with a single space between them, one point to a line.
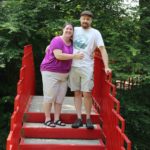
59 100
50 86
47 110
57 108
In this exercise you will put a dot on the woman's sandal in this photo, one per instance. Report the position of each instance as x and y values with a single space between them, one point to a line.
49 123
58 122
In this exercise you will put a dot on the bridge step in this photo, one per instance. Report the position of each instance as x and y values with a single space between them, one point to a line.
37 136
35 113
65 117
39 130
55 144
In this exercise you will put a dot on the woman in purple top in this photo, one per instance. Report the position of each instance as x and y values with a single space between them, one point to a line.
55 68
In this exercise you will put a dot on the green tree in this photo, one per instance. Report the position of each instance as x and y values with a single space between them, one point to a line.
126 36
144 38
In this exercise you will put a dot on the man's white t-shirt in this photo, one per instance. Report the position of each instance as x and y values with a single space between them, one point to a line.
86 40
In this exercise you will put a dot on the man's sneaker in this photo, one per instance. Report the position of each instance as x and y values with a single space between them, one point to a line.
89 124
78 123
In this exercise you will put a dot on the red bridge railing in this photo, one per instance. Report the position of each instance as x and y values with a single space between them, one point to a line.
104 92
25 89
108 106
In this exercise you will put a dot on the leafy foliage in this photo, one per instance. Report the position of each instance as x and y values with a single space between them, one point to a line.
35 22
38 21
6 108
135 108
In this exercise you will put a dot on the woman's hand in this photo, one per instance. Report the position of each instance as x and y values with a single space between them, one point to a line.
78 55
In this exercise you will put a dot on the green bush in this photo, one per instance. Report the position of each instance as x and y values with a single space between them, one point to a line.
6 109
135 109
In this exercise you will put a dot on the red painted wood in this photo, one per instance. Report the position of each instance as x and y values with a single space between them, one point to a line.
107 105
81 133
25 88
67 118
59 147
104 93
24 146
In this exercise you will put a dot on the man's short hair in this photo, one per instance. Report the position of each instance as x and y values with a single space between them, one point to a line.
87 13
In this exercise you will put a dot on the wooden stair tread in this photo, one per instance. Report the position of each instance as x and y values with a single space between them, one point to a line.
41 125
67 107
61 141
35 135
39 130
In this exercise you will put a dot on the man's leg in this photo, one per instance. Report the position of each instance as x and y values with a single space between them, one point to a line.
87 103
78 105
88 107
86 87
75 85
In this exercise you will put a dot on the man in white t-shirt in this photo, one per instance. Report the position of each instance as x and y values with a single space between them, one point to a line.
85 40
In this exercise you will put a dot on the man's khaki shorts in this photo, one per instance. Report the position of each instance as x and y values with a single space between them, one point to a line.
81 79
54 86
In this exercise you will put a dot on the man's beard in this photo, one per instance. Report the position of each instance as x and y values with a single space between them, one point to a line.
85 25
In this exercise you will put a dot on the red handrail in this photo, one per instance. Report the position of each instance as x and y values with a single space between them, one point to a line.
24 92
104 92
108 106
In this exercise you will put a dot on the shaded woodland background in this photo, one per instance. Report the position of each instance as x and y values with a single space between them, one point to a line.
126 35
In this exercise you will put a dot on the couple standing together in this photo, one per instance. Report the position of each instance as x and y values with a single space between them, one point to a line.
65 59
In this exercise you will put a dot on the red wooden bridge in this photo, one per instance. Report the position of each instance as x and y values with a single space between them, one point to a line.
27 131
